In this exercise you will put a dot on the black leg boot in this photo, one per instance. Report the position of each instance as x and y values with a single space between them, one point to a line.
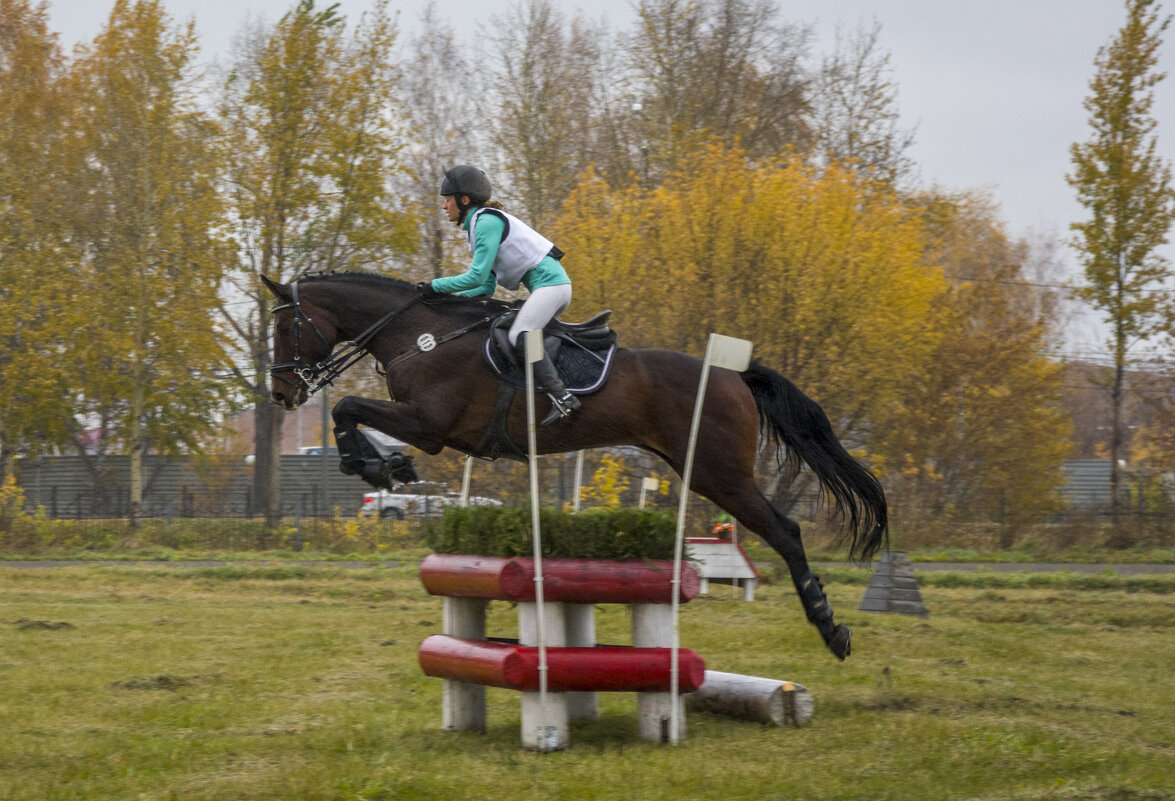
837 637
358 457
563 403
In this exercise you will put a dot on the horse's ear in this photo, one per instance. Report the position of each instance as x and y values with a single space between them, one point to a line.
281 290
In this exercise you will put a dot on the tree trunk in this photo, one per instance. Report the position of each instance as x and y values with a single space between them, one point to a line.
1119 538
267 438
135 452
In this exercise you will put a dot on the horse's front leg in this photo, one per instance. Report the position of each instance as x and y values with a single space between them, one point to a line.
358 456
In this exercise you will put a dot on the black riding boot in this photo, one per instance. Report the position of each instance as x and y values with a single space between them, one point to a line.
563 403
837 637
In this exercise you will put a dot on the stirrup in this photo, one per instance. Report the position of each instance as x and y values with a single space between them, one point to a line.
560 407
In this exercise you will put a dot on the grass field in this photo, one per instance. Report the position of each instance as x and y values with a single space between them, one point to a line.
259 681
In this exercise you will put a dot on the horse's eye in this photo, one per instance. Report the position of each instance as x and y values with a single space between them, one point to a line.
283 328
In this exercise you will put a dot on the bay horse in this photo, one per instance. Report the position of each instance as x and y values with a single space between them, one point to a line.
442 394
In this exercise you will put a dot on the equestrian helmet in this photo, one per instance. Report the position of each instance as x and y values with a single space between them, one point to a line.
465 179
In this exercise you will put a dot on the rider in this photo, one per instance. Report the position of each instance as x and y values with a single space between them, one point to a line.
507 251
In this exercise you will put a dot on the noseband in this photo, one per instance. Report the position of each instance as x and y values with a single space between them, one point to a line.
316 376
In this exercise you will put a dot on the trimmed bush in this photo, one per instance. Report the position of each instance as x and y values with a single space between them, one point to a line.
593 534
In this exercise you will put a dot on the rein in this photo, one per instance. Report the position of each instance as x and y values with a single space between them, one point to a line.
323 374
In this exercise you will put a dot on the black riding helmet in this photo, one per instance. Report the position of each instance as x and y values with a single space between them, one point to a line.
465 179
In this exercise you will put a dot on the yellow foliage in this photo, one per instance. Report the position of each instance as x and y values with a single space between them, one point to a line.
608 484
820 270
842 286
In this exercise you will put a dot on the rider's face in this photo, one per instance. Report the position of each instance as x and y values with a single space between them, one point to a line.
450 207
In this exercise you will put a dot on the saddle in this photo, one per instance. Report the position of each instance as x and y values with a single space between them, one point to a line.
581 352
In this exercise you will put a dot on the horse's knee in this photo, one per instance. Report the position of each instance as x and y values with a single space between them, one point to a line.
345 410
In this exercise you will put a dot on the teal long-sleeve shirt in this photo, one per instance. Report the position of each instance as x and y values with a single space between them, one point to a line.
479 279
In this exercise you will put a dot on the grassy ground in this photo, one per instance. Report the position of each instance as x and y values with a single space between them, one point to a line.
258 681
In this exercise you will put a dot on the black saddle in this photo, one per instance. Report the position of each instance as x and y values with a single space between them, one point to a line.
581 352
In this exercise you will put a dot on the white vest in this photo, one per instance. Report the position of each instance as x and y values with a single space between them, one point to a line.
519 252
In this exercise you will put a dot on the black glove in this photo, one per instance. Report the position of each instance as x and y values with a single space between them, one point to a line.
425 290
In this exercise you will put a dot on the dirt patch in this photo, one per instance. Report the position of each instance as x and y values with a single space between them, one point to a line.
160 682
42 625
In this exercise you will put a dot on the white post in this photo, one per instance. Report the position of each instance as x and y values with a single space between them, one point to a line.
580 623
545 716
465 480
546 731
578 479
660 716
733 354
463 705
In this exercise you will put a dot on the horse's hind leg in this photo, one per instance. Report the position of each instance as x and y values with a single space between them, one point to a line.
786 540
754 512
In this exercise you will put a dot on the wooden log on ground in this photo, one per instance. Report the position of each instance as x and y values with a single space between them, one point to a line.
754 698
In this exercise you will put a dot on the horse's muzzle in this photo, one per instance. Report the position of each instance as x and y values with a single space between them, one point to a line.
288 398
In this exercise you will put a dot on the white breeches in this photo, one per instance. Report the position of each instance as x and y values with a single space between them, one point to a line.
544 304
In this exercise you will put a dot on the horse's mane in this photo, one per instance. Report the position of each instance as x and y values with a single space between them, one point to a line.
453 302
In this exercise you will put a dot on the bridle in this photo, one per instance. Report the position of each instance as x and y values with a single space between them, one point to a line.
322 374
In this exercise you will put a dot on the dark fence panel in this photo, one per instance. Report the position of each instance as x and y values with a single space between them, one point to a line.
67 487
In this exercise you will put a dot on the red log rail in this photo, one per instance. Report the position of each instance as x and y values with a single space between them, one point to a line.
598 669
584 581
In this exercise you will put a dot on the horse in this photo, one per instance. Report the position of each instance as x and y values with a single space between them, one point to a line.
442 394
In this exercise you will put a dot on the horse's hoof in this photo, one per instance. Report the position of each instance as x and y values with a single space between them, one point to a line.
398 467
352 467
841 642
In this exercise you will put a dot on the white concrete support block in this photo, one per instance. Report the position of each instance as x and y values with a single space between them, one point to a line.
749 586
652 627
463 705
580 620
545 727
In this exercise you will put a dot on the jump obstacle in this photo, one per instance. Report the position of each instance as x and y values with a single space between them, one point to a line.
577 667
721 559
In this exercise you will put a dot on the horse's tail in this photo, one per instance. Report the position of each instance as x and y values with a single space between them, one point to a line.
800 430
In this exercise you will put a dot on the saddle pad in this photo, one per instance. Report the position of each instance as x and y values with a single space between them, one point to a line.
583 371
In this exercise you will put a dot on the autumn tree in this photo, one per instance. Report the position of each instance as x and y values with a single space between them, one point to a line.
979 427
35 402
446 127
856 118
1125 187
822 273
147 350
725 68
840 285
312 137
546 110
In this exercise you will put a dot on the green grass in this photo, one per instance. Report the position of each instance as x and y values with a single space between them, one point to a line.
272 681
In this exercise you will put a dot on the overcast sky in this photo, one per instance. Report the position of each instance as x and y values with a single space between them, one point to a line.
994 88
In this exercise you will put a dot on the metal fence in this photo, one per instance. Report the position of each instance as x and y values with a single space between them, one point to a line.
71 487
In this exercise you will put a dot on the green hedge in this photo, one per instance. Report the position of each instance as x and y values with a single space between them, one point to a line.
593 534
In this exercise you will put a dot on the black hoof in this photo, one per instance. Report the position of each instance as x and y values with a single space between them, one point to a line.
352 467
841 642
399 467
382 473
